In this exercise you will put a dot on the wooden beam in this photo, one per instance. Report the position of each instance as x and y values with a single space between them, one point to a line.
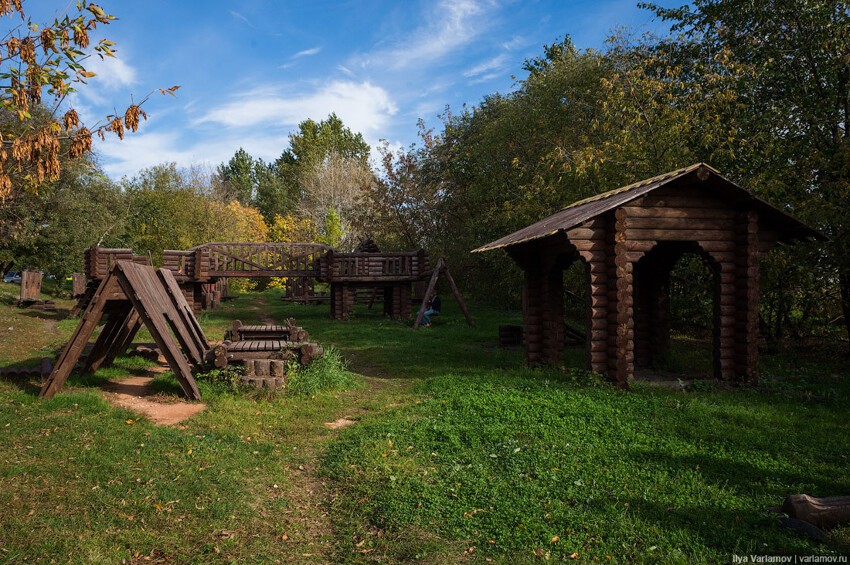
431 286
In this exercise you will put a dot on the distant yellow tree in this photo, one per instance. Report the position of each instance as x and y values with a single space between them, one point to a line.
291 228
245 223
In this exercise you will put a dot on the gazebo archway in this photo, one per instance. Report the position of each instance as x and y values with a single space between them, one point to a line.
653 317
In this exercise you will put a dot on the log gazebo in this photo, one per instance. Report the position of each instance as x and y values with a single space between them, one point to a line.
629 239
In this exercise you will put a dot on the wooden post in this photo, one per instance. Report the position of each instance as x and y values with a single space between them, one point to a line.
552 314
624 337
78 285
457 295
432 284
746 352
74 348
30 286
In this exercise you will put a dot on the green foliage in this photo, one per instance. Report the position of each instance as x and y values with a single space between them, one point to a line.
172 208
43 230
793 119
322 375
316 141
332 230
239 177
228 379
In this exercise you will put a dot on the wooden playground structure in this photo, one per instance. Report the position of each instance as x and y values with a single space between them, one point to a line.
201 273
129 293
629 240
132 296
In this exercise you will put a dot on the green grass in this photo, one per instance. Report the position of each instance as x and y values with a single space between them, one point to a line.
455 446
509 461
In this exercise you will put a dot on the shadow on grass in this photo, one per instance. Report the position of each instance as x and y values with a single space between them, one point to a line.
739 531
30 385
56 315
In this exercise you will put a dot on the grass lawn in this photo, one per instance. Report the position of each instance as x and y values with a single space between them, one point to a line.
458 454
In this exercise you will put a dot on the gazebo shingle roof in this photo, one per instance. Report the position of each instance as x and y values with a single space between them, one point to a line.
583 210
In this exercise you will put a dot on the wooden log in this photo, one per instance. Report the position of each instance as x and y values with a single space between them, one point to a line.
261 367
689 224
681 200
589 234
828 512
689 212
678 234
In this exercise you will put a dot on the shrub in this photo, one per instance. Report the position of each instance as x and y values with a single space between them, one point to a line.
328 373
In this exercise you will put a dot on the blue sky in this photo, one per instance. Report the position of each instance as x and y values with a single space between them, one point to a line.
250 71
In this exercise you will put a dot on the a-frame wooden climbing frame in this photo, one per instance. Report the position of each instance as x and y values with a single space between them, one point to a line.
442 269
132 296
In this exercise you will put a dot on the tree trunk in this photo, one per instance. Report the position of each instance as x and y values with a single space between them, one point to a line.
844 283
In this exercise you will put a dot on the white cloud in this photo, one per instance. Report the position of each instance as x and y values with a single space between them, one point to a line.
453 24
363 107
496 63
146 149
239 16
307 52
514 43
111 73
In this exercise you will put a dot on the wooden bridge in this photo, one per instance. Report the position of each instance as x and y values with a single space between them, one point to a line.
214 260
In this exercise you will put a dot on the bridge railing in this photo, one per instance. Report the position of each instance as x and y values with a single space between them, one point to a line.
374 267
259 259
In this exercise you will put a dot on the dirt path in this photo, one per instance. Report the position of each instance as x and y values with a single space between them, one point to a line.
136 394
310 526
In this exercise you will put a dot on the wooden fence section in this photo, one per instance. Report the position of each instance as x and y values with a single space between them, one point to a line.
180 263
99 260
377 275
374 267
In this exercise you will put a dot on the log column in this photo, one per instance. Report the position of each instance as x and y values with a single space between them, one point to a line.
724 319
746 354
597 342
532 313
624 262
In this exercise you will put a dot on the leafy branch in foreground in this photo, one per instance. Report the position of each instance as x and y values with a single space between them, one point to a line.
50 59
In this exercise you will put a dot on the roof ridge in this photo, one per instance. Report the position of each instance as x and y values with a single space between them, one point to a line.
638 184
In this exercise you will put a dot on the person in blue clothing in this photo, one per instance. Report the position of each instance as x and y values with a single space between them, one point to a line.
432 310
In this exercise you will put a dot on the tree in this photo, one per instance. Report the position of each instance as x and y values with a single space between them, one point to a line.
43 230
796 117
331 190
49 58
400 211
177 209
237 179
316 141
277 188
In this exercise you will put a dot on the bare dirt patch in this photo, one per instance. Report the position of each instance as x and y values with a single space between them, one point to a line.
135 393
341 423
